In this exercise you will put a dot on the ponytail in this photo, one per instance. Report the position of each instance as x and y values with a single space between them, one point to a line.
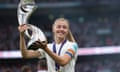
70 36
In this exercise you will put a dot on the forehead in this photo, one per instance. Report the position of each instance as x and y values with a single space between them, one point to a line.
61 22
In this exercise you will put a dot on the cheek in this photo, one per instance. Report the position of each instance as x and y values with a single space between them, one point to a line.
57 31
66 31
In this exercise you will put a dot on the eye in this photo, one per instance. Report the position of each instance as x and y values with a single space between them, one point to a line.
58 26
61 26
64 27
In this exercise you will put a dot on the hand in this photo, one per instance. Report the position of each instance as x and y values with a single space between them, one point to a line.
39 44
22 28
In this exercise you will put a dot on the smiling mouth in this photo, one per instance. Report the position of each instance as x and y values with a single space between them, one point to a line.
61 33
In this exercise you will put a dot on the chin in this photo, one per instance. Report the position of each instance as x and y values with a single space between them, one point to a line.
61 37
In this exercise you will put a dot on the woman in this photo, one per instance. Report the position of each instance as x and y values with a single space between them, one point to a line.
61 54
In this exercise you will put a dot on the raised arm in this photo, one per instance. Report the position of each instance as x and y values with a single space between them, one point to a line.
24 51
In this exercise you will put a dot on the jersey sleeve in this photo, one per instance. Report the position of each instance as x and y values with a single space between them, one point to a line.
72 50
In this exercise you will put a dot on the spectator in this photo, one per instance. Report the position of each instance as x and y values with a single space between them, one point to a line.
26 68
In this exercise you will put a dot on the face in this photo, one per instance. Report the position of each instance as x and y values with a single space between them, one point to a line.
60 28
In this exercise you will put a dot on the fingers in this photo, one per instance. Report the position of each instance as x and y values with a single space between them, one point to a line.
22 27
43 42
39 44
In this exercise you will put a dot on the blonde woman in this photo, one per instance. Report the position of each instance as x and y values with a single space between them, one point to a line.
61 54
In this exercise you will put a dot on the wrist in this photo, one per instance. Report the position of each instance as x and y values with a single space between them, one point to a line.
21 33
45 48
44 45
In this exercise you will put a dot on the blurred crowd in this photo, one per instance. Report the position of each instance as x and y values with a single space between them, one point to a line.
91 33
94 33
98 63
98 66
23 65
9 38
18 65
88 65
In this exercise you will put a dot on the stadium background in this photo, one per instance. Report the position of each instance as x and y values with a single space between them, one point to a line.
94 23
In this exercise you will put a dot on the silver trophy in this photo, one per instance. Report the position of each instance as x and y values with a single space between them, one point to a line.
25 9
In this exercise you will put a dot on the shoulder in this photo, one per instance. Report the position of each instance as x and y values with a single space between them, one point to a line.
74 45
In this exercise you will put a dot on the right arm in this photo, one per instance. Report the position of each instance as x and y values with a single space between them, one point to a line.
24 51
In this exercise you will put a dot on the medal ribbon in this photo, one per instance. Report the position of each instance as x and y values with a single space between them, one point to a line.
54 50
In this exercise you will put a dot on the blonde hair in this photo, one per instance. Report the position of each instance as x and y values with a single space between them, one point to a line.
70 36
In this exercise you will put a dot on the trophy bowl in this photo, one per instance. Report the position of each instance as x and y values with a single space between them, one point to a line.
37 34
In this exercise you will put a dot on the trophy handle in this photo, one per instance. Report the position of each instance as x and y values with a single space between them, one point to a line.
25 9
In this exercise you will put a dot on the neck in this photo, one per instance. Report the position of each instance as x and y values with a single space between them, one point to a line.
59 40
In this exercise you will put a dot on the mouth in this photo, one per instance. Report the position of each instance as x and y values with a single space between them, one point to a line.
60 32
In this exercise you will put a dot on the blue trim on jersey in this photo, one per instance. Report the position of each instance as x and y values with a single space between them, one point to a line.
70 54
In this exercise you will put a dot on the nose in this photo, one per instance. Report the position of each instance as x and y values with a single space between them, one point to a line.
62 27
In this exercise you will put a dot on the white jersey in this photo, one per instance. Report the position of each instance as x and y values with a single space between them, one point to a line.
51 63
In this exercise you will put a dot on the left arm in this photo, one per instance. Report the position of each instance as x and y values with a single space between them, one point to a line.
61 60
